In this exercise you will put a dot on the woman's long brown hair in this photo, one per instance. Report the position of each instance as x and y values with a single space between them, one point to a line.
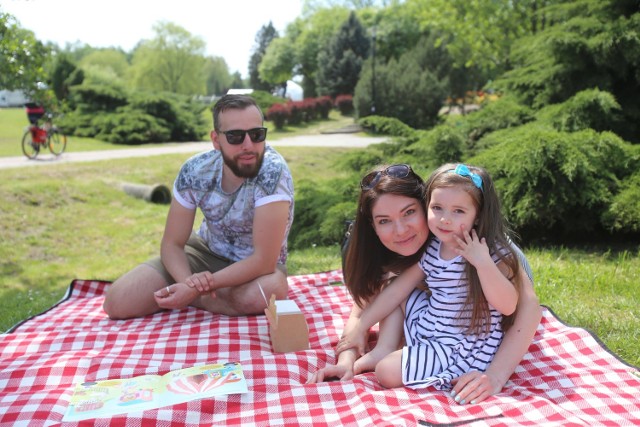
367 260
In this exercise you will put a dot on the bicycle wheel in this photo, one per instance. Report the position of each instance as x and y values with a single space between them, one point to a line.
57 142
30 148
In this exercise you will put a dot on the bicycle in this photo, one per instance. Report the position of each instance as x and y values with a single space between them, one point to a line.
36 137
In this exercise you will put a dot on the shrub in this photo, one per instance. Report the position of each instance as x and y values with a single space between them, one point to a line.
278 114
265 100
344 103
504 113
386 126
555 184
448 144
593 108
131 127
296 114
324 105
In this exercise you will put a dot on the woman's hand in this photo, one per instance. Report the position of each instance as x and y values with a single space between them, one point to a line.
343 373
474 387
176 296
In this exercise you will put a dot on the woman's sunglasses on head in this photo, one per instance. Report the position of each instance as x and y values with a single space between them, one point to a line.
236 137
396 171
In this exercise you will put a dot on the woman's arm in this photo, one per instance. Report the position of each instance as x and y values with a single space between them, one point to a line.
386 301
474 387
343 369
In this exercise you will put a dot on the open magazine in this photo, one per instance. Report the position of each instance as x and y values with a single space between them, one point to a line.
106 398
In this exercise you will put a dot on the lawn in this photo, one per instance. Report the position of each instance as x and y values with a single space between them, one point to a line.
69 221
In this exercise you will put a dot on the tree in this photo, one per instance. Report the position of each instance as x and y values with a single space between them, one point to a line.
411 88
64 75
277 65
480 33
265 36
588 44
217 75
173 61
304 37
22 57
340 62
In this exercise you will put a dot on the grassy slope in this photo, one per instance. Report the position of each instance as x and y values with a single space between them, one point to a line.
71 221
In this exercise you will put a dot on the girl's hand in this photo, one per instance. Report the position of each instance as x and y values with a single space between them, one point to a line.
203 282
473 248
474 387
352 340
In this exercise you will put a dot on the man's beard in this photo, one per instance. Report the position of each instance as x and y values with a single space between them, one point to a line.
243 171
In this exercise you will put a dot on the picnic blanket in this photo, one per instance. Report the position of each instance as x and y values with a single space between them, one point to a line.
568 378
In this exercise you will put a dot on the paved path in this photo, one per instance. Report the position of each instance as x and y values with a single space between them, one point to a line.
45 159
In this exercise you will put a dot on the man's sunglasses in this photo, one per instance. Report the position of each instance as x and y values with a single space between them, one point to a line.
396 171
236 137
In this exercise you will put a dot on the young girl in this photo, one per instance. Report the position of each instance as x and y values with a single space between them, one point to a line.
457 325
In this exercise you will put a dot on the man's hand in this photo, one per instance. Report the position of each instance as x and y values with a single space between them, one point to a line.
176 296
202 281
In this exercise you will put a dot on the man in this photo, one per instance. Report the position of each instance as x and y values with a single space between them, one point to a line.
245 191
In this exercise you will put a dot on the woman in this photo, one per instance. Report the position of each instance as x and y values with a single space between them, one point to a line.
389 235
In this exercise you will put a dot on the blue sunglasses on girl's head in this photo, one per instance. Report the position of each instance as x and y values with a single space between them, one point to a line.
236 137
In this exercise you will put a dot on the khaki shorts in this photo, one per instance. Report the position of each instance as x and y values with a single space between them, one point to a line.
200 259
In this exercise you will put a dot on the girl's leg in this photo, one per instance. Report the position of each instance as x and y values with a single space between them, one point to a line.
389 370
389 340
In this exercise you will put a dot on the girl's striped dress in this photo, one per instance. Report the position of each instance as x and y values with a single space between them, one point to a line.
438 348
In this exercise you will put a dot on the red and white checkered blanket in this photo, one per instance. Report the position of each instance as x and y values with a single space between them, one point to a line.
567 379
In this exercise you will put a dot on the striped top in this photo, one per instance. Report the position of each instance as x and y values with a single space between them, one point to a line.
438 345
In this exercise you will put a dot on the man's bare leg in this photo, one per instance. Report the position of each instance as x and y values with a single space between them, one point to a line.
132 294
246 299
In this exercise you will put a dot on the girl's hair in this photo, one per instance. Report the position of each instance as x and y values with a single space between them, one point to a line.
367 260
489 224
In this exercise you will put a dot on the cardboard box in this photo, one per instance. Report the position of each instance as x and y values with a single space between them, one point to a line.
287 326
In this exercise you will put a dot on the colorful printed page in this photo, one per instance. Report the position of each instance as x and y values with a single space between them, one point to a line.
106 398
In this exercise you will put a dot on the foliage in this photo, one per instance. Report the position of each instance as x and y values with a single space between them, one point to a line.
385 126
588 109
112 114
64 75
278 114
591 44
265 100
173 61
313 201
623 214
22 57
324 105
504 113
265 36
344 103
276 66
217 78
411 89
130 126
479 35
340 61
555 183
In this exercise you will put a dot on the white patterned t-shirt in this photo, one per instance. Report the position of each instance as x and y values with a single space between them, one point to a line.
227 226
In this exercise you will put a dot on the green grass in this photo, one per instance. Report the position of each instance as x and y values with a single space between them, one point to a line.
13 123
69 221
